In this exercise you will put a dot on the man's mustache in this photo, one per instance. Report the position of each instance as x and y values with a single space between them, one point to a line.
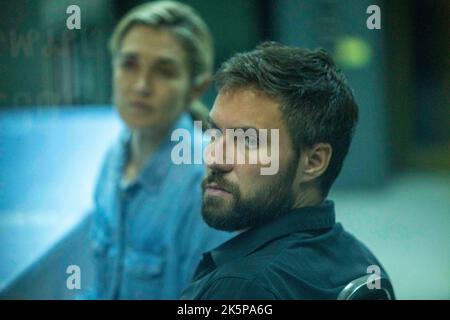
221 182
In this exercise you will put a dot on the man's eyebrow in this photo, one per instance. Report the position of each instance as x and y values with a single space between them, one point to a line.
212 124
245 128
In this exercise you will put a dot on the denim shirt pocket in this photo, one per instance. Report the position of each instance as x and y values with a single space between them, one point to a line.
104 256
143 272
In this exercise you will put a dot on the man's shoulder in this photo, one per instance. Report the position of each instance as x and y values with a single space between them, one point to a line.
258 275
237 287
299 266
255 267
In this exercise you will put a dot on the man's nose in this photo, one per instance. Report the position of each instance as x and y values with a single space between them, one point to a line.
216 156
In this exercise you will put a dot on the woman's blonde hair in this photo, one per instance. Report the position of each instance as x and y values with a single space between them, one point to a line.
187 26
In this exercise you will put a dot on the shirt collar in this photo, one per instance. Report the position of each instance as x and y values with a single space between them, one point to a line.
297 220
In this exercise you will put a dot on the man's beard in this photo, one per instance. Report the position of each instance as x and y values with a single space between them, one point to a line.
238 213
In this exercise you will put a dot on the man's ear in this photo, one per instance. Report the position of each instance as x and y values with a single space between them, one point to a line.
315 160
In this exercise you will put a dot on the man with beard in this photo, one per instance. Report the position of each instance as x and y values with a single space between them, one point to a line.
288 244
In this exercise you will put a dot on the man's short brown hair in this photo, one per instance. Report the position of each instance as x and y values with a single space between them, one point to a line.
315 99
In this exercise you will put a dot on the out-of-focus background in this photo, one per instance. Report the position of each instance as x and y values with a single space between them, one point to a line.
56 121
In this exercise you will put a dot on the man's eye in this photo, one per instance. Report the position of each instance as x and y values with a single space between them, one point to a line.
251 142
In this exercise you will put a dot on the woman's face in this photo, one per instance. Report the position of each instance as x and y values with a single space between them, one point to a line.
151 78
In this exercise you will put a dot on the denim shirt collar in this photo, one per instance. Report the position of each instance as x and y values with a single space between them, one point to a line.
156 168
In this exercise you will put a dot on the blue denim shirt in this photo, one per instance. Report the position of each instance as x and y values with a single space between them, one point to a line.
148 236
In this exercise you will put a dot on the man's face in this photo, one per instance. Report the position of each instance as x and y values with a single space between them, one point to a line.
237 196
151 78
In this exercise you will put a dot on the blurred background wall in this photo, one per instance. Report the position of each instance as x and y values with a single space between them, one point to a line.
393 192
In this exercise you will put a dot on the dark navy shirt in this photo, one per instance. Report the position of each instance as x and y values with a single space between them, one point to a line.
303 254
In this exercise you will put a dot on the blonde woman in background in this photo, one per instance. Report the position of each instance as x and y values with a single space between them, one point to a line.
148 234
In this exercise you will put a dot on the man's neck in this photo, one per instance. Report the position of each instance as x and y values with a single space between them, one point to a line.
308 198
